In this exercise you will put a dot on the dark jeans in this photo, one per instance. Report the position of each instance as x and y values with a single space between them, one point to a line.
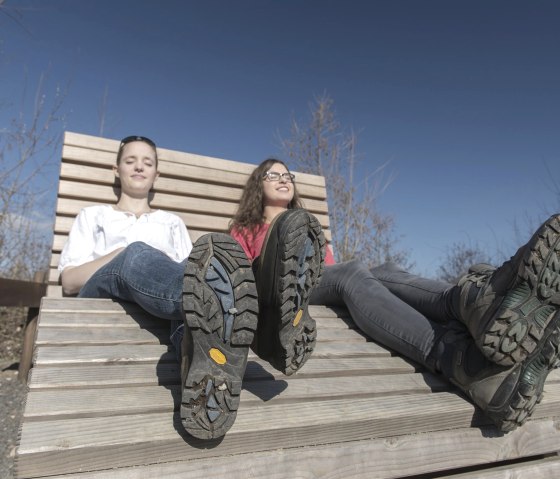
397 309
143 275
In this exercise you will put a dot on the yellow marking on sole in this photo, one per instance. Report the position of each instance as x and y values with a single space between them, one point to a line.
297 319
217 356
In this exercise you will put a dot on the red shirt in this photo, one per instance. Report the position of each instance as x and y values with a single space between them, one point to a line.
252 243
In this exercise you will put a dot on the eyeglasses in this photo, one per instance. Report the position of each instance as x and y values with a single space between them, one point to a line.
130 139
275 176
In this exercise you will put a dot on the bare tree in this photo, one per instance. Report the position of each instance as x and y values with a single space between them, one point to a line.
103 110
27 149
359 229
459 258
526 223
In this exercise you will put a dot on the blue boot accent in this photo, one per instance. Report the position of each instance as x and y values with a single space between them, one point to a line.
218 279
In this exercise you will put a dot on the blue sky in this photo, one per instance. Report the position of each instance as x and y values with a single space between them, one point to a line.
461 97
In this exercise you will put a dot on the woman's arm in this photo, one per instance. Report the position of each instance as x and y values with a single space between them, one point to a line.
74 277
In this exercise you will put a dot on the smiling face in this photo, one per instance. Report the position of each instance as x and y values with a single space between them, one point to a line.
278 193
137 169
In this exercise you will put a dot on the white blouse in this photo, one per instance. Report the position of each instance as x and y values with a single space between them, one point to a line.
100 229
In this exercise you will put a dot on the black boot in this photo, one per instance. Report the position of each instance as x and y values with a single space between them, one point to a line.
508 309
507 395
220 304
289 267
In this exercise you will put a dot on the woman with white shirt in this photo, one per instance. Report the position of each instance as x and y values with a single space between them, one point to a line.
132 252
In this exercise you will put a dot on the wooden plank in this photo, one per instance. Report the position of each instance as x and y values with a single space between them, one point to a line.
56 310
77 354
152 372
63 224
60 239
157 372
310 185
86 305
114 401
102 354
100 194
94 313
100 319
61 446
55 258
205 220
55 335
546 468
95 319
116 335
139 374
375 459
78 174
103 145
54 290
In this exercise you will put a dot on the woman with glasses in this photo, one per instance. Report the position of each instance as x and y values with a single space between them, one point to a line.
132 252
495 335
286 334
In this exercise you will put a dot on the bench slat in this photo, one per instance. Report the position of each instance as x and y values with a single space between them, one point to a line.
51 404
60 239
55 335
375 459
106 150
103 178
108 354
199 219
158 372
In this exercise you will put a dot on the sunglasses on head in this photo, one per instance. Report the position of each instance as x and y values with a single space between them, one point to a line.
130 139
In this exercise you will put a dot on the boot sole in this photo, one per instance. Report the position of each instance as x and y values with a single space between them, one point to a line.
517 327
299 260
221 310
530 378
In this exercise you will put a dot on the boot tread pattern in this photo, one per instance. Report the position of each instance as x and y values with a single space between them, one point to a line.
529 389
221 307
303 258
516 328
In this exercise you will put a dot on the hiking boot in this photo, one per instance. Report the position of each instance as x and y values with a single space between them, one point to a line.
507 395
221 311
508 309
289 267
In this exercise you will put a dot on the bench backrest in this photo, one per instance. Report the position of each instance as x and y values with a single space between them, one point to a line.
203 191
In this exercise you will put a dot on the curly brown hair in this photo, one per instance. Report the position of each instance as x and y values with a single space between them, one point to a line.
250 212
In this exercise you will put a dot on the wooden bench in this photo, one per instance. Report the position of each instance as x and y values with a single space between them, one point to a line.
104 389
26 294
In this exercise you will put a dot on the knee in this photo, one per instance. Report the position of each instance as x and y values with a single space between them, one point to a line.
133 251
136 247
388 267
352 271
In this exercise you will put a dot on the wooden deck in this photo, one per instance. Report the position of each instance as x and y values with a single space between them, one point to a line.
104 392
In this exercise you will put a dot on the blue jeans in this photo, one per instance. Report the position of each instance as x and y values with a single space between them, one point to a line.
143 275
397 309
